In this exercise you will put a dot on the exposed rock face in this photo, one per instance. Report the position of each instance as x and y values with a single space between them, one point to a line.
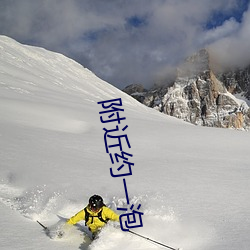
237 81
137 91
199 97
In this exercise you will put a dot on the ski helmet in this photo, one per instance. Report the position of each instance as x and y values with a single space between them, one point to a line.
96 202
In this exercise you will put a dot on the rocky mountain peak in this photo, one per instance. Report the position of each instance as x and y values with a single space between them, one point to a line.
196 64
200 96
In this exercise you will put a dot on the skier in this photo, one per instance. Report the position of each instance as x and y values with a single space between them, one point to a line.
95 214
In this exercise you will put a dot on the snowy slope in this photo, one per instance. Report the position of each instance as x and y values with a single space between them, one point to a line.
192 182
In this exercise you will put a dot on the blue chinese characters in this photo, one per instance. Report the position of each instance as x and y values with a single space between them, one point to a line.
115 138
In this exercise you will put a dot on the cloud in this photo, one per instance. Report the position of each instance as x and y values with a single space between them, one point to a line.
228 28
124 42
233 49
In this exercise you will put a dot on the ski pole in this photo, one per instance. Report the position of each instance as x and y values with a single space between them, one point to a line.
153 240
45 228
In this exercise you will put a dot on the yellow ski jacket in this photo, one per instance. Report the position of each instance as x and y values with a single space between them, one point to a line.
94 223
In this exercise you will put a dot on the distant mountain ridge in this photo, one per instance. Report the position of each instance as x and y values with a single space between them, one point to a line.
202 96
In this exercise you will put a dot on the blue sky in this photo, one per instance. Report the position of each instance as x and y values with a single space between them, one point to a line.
131 41
218 17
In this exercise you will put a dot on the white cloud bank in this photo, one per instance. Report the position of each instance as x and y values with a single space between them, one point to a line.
129 41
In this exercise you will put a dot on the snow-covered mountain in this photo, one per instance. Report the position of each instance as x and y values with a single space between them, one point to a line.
201 96
192 182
